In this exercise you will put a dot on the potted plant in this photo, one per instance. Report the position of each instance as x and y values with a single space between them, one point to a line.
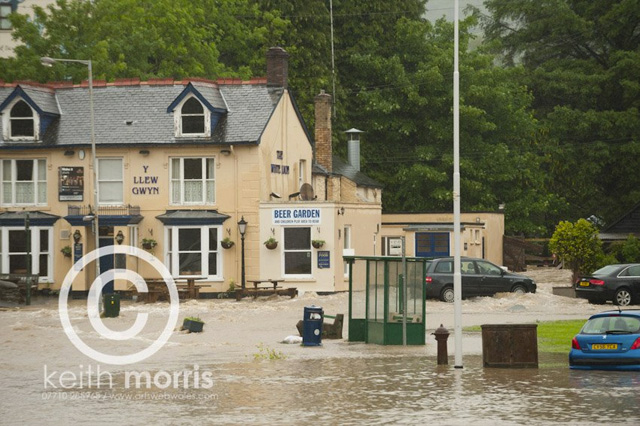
227 243
66 251
149 243
317 243
271 243
193 324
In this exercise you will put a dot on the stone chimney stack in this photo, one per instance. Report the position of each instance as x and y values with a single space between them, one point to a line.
277 67
323 130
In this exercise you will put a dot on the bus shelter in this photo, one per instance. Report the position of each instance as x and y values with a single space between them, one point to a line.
378 308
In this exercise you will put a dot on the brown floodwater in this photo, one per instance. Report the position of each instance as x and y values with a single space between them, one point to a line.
372 390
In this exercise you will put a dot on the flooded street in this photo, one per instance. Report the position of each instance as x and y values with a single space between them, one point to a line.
236 371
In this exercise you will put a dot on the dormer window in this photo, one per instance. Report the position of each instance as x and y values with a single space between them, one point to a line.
194 119
22 120
21 123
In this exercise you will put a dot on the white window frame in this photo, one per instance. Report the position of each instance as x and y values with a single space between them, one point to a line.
101 180
181 182
39 182
35 250
285 250
171 251
302 172
177 117
4 17
6 123
346 247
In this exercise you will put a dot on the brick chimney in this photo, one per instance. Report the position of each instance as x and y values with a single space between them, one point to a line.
277 67
323 130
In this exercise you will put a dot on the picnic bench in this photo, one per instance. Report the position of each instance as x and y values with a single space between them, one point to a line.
270 289
157 289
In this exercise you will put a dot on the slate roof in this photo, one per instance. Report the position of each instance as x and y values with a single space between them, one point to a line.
347 170
136 113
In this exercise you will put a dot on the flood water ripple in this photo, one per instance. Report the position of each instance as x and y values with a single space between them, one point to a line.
383 390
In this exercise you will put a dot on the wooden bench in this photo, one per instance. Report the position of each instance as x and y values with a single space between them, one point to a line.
329 330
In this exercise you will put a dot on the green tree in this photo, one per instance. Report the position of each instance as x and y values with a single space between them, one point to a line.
627 251
136 38
582 64
578 246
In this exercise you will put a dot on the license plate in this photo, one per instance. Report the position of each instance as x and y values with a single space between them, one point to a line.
601 346
584 283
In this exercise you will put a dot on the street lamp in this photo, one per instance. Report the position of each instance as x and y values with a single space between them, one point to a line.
49 62
242 227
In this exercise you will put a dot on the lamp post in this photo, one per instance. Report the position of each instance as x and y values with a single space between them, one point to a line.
242 227
49 62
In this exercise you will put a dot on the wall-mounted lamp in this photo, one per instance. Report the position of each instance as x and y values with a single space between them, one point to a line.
69 153
119 237
76 236
478 219
226 152
341 211
275 195
144 152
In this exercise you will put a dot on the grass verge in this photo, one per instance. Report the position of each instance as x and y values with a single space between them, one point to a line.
553 336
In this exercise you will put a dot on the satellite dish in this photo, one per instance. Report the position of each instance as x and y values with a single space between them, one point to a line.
306 192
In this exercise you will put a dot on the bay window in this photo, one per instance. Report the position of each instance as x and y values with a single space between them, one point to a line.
297 251
193 180
13 251
24 182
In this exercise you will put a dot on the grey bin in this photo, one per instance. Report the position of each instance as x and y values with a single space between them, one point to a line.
312 326
111 305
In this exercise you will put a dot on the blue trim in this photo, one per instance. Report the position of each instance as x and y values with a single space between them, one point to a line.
190 89
204 217
43 221
18 91
106 220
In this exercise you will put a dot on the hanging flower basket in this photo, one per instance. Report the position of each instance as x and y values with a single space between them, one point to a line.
271 243
227 243
66 251
317 243
148 243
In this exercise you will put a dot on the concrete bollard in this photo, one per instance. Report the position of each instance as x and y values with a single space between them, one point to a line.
442 334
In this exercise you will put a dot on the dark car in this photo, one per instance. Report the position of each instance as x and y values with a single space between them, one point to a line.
608 341
479 278
618 283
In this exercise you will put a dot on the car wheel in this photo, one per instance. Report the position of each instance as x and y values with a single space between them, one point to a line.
519 289
447 295
622 297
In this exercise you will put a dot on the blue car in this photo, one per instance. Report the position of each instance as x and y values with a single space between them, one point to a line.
608 341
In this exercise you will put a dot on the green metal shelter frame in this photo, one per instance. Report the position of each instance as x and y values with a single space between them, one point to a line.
377 303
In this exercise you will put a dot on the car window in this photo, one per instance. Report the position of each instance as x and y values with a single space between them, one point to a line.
444 267
632 271
466 267
601 325
487 268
